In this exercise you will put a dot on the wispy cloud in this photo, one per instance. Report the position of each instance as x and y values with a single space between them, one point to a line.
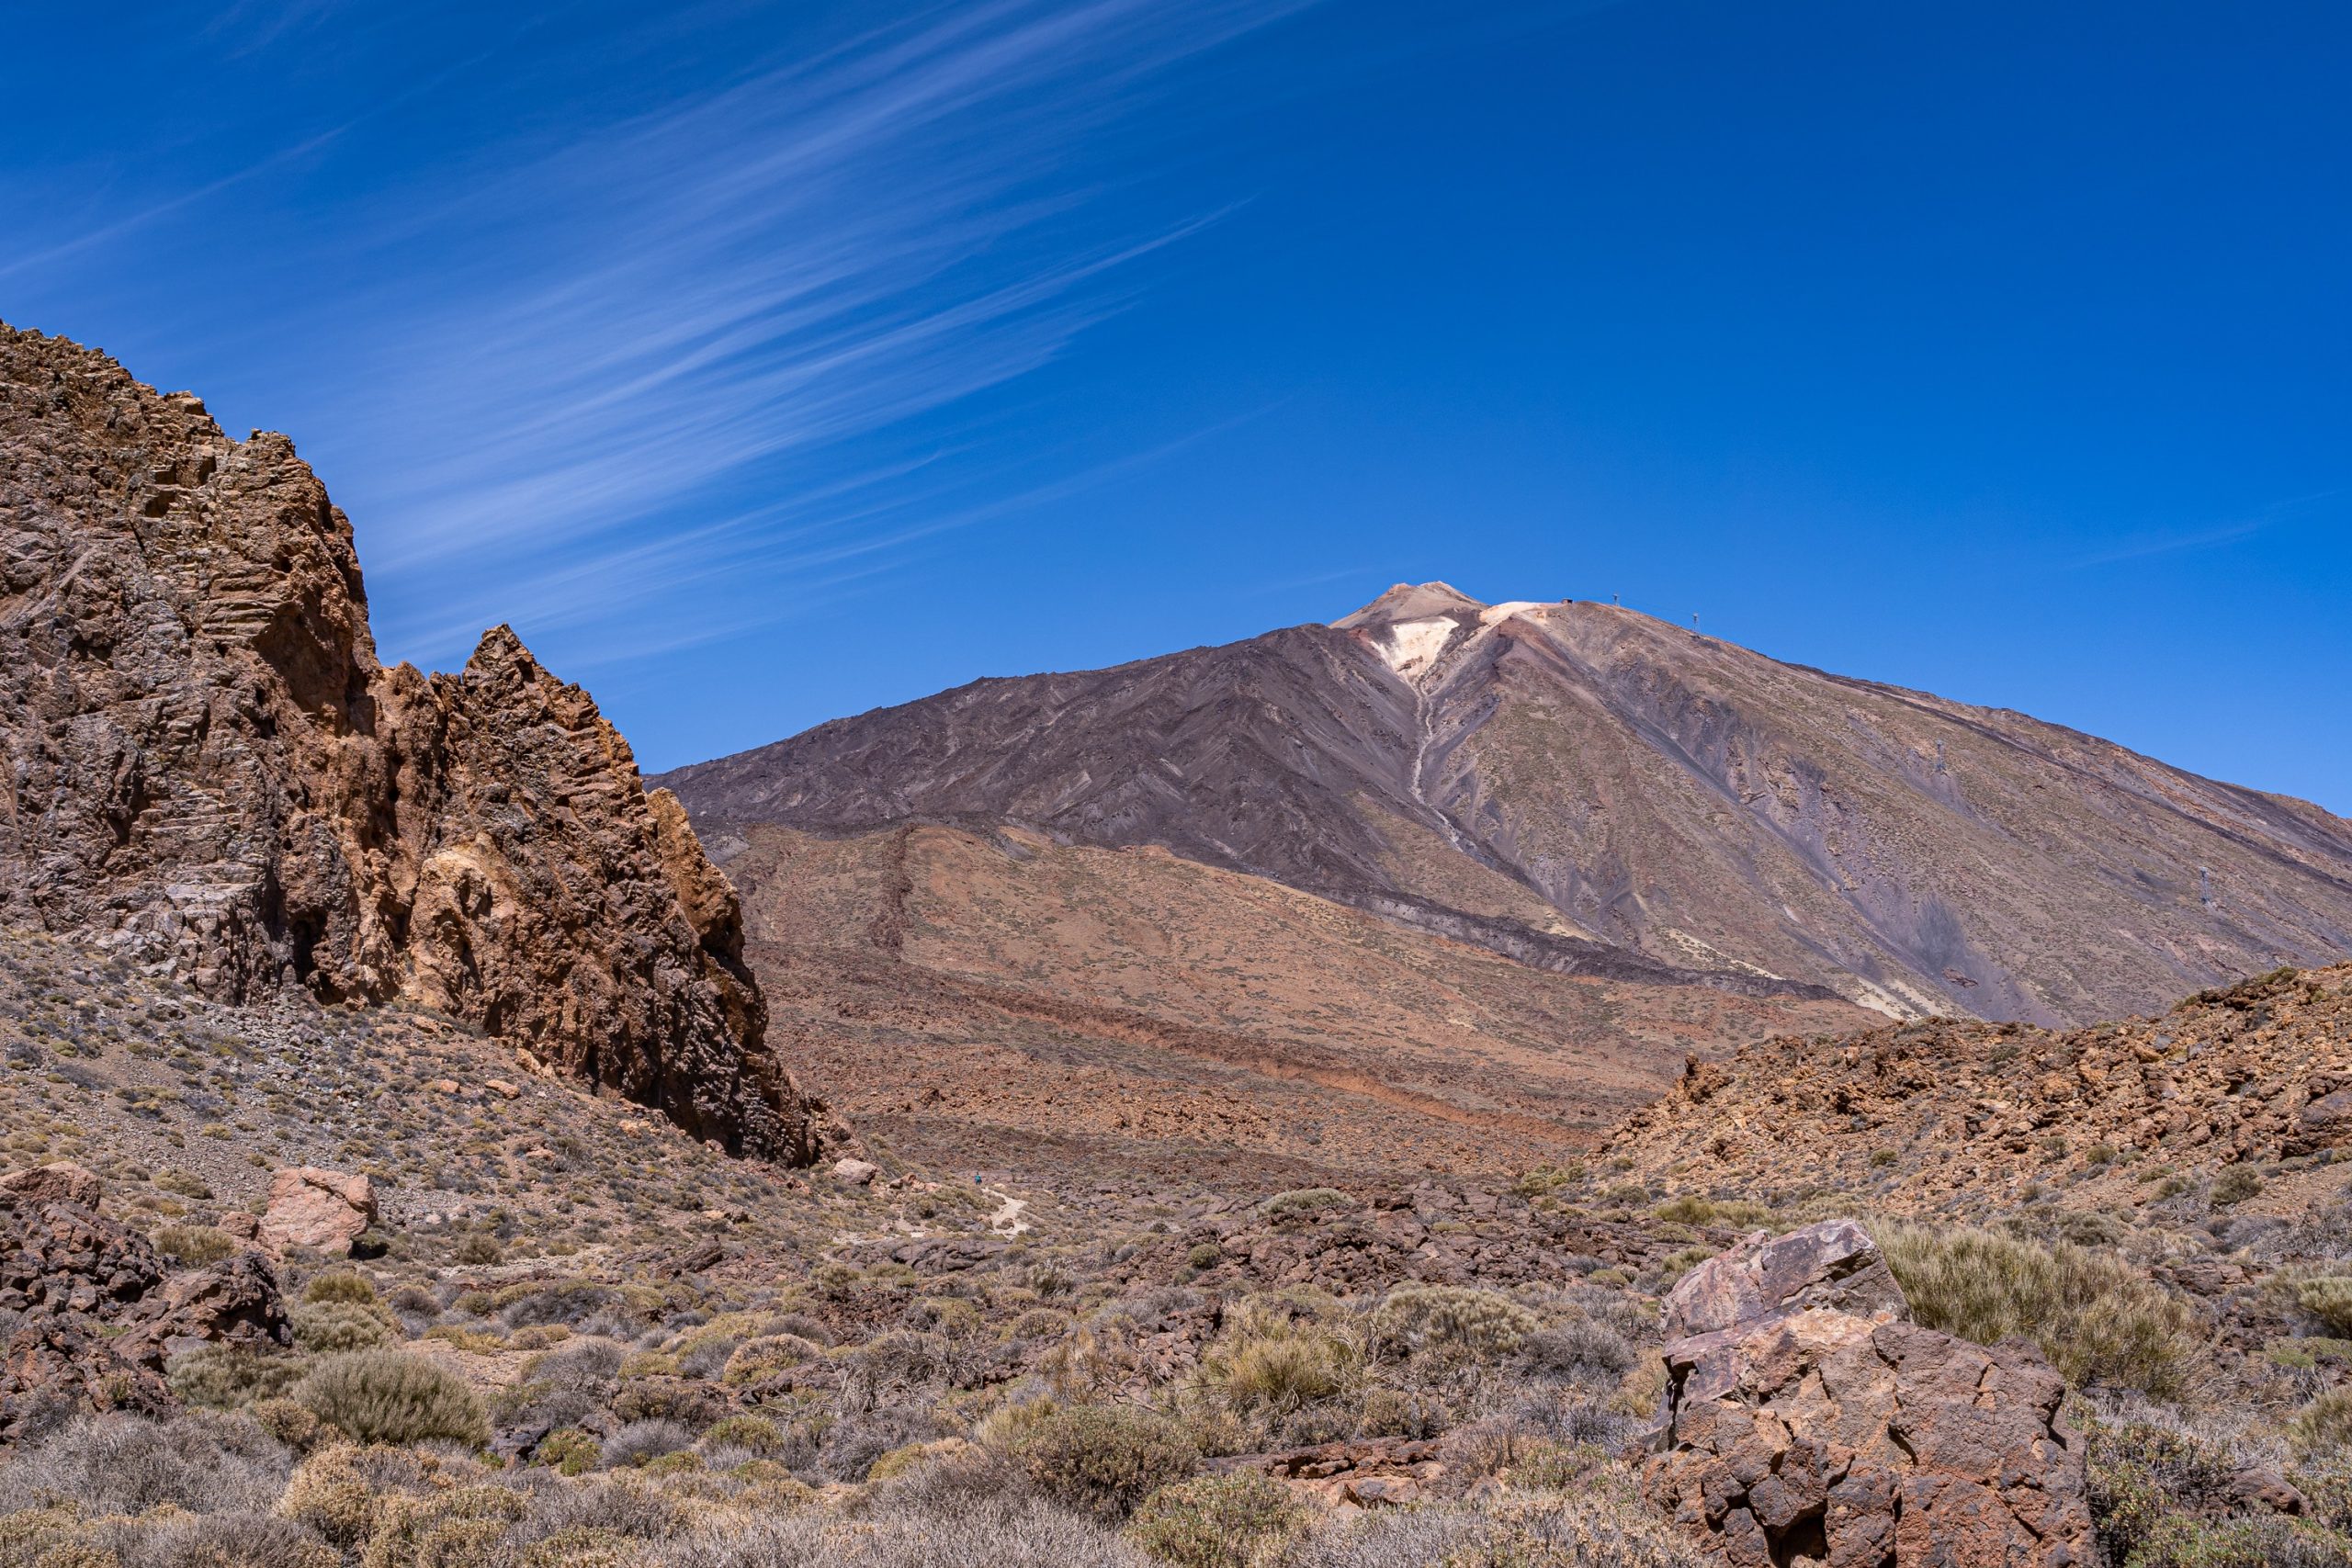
2175 541
752 281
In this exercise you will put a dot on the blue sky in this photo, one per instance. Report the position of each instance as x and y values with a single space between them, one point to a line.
763 364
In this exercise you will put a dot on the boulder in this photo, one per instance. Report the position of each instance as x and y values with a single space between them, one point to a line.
58 1183
1807 1418
856 1172
1834 1264
323 1209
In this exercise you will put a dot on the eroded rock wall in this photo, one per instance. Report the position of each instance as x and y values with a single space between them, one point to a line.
210 770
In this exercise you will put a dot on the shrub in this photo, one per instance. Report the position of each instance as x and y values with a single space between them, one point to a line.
1599 1527
388 1396
1282 1372
323 1329
341 1285
756 1361
480 1248
1101 1462
1204 1255
1451 1320
854 1443
2328 1299
642 1440
570 1451
1307 1200
2325 1425
2100 1322
755 1434
459 1528
204 1463
1218 1521
1580 1350
226 1379
332 1494
194 1245
2235 1185
1692 1209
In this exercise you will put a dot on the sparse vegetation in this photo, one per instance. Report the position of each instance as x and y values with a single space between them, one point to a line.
2100 1322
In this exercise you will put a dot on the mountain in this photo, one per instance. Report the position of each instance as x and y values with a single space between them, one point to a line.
1587 789
214 777
1060 1012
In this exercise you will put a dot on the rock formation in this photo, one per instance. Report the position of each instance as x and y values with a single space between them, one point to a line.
92 1317
322 1209
210 771
1809 1419
1938 1113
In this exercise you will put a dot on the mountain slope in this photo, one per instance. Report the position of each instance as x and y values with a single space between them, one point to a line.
997 1000
1583 787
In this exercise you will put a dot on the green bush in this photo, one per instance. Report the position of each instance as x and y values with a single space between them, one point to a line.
1691 1209
2325 1425
223 1379
194 1245
1451 1320
2101 1323
1204 1255
1282 1371
2237 1185
572 1452
1102 1462
325 1329
1218 1521
2328 1299
388 1396
341 1285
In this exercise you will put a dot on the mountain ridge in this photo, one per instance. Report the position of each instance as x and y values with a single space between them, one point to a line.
1582 773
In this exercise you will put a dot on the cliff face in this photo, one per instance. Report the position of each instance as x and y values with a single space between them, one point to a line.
209 771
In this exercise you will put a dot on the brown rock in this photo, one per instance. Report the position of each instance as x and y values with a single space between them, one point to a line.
501 1089
1834 1264
238 1224
58 1183
212 769
322 1210
1800 1431
95 1317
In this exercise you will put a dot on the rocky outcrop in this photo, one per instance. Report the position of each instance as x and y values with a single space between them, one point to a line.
322 1209
212 771
1808 1419
92 1316
1940 1112
61 1182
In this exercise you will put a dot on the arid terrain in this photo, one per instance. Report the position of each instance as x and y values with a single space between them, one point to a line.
419 1150
1004 1000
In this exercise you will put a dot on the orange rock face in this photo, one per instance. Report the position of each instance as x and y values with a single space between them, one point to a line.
322 1210
213 771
